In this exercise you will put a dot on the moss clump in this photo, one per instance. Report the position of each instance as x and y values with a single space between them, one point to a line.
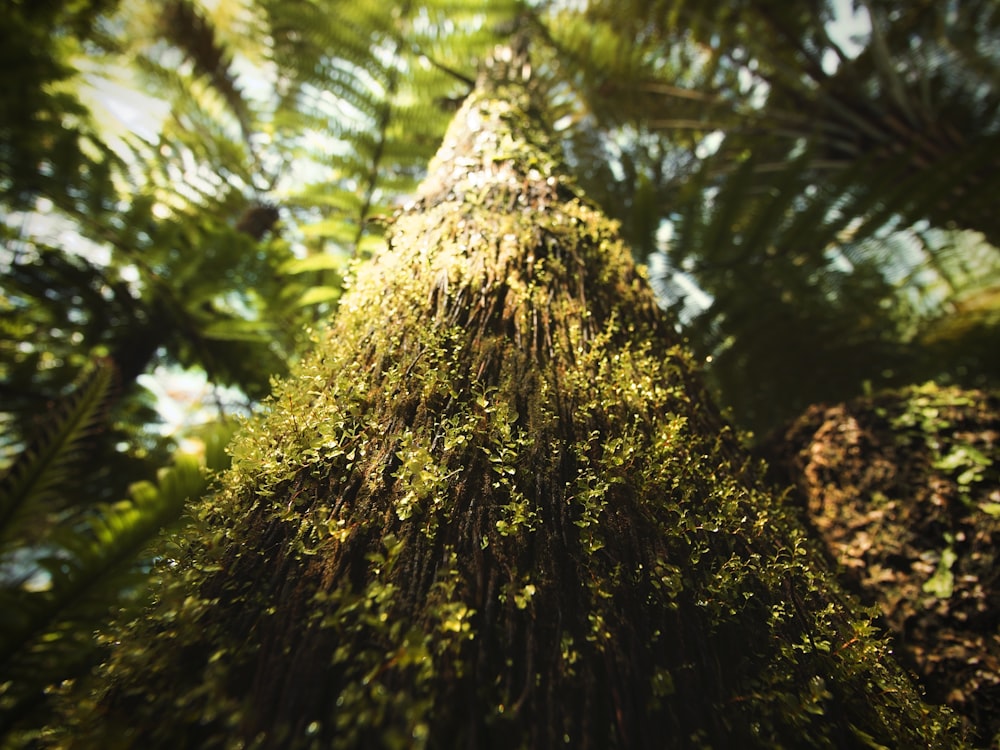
495 508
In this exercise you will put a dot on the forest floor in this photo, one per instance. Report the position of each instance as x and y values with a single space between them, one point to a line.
903 489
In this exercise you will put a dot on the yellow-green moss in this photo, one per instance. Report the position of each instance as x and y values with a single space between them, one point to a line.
495 508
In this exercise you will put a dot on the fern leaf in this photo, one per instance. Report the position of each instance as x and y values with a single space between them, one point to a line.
193 33
32 483
46 634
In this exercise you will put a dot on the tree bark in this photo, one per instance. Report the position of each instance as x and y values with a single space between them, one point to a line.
495 508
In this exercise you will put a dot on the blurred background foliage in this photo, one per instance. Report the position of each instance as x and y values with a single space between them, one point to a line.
185 183
824 172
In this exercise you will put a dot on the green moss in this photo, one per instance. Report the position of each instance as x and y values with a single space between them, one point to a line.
495 503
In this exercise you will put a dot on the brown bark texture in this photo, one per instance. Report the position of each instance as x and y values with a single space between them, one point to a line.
495 508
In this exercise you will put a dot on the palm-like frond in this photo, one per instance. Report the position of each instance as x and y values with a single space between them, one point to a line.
913 102
184 26
33 485
364 90
56 593
47 142
797 150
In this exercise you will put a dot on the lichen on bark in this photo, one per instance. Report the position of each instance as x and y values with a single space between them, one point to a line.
496 509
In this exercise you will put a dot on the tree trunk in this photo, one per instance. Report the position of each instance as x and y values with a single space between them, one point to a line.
495 509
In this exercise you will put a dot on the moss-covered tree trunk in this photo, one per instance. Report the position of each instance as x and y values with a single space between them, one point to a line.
494 509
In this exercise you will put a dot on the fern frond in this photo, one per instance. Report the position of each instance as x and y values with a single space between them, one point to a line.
191 31
35 482
87 567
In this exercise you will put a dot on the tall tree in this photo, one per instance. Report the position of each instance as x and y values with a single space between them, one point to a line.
495 508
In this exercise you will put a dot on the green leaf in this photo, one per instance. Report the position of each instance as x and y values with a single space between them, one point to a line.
317 262
319 294
962 457
31 484
942 582
239 330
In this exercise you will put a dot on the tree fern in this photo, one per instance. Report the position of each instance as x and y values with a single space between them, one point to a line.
822 149
295 128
